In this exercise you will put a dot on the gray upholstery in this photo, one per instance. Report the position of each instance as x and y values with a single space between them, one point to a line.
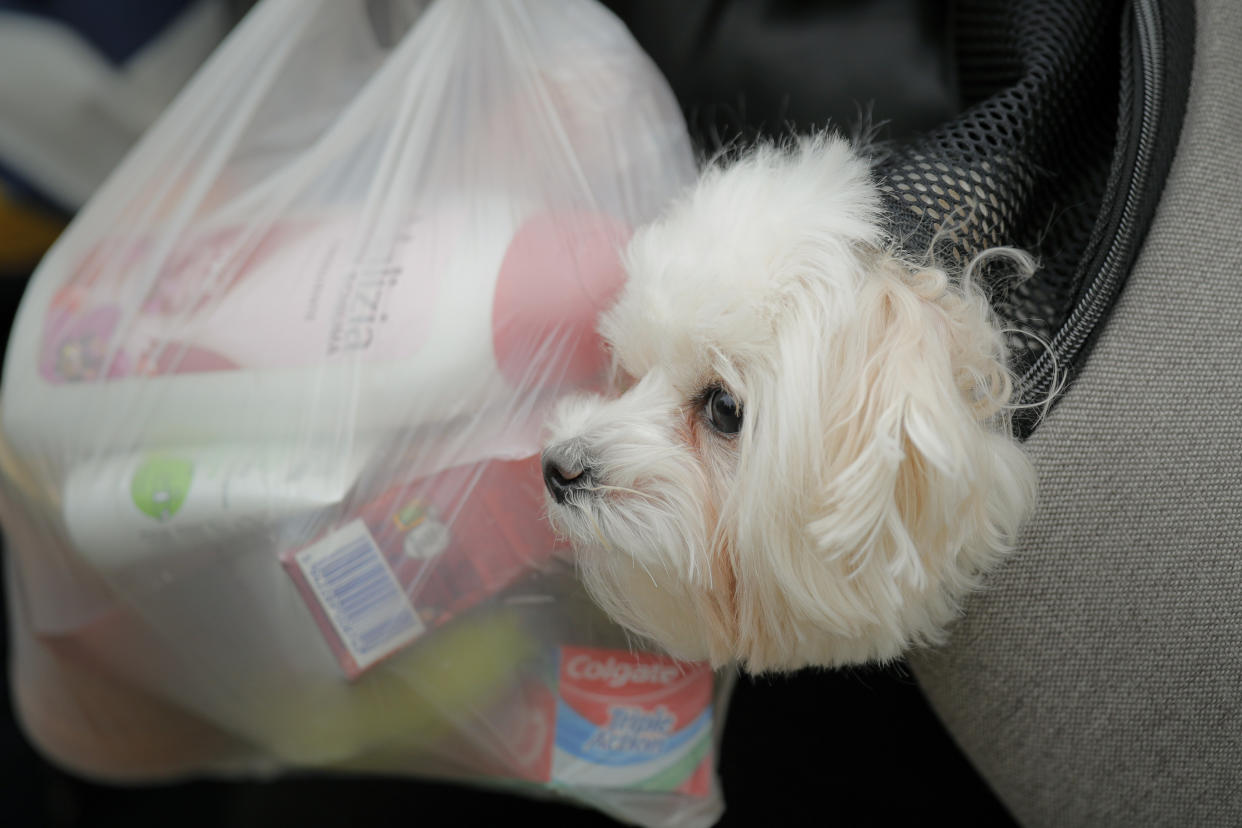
1098 679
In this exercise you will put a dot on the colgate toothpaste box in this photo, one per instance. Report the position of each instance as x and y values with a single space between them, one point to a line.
611 719
632 720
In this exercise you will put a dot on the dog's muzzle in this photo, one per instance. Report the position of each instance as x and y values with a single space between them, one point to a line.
562 475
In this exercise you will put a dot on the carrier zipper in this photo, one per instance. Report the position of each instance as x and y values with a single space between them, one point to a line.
1036 382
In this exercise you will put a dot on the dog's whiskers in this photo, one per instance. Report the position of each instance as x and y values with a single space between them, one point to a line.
603 487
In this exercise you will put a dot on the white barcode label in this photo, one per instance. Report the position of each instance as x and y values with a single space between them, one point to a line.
359 593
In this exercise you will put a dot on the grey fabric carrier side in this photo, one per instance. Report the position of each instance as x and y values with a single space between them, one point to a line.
1097 681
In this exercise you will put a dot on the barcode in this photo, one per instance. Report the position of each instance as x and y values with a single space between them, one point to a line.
358 591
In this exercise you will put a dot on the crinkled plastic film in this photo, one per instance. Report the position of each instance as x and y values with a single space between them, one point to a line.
272 407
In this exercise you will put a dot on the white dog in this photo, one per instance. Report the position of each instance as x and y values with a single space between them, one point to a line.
812 463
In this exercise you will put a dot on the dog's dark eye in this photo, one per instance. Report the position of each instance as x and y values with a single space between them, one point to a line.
723 412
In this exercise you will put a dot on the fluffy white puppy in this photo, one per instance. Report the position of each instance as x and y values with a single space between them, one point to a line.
811 463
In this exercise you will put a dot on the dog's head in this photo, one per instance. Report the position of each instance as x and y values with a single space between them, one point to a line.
810 462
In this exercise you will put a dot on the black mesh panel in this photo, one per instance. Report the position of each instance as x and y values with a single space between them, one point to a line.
1027 162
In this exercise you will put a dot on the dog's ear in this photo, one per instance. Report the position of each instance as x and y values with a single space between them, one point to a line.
885 452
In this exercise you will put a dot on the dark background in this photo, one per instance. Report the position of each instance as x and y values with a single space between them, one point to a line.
845 747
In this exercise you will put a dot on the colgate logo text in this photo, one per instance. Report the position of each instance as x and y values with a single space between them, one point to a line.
619 673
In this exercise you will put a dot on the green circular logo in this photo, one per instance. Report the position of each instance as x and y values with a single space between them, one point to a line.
160 486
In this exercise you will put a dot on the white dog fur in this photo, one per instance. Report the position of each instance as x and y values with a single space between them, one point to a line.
873 479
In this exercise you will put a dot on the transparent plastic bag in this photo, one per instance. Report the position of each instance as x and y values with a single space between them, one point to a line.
272 405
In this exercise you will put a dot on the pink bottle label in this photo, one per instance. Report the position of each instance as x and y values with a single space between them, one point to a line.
287 298
293 297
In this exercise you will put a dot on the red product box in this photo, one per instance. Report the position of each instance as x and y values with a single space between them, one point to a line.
419 554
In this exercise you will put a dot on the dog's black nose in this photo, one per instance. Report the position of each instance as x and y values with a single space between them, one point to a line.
562 477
